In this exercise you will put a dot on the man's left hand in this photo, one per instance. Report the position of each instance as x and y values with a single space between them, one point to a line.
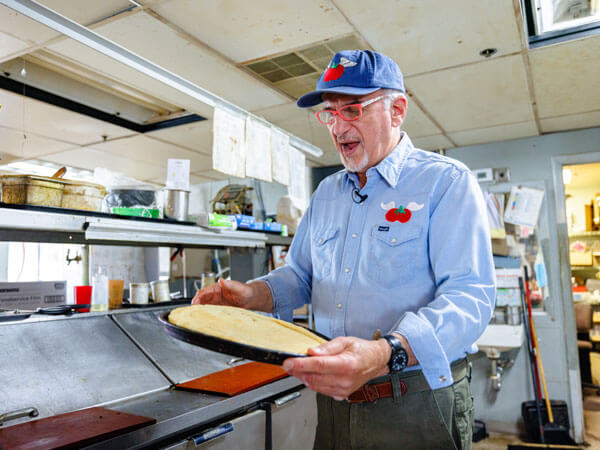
341 366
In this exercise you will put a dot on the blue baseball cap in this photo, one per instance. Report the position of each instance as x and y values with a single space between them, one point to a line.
355 72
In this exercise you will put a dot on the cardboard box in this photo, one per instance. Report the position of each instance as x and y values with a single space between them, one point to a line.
500 247
32 295
581 258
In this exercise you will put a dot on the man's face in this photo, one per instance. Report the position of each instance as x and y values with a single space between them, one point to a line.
363 143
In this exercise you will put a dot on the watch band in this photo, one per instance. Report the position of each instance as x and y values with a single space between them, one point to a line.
398 358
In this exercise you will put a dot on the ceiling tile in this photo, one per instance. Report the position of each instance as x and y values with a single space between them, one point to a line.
482 95
417 123
248 30
86 12
142 148
565 77
90 158
195 136
494 134
190 61
25 145
51 121
24 28
429 34
570 122
436 142
10 45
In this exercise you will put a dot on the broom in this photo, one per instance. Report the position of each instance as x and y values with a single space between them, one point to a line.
553 432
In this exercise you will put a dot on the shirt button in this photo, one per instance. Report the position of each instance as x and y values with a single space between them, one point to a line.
394 240
353 235
339 305
347 269
442 378
320 240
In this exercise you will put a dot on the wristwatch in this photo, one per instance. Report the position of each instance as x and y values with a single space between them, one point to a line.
399 357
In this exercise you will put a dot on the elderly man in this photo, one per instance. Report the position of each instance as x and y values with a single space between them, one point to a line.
394 255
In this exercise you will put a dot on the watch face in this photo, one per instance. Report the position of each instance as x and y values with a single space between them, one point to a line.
399 360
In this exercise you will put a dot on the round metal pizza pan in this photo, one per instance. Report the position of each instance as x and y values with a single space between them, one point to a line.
228 347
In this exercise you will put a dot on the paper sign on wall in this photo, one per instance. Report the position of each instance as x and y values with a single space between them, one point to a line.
229 148
297 188
178 174
280 157
524 205
258 150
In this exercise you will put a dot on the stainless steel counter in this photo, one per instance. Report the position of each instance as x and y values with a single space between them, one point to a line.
123 361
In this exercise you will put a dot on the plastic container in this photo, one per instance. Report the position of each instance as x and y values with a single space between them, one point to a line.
99 291
138 293
32 190
115 293
81 195
529 413
160 291
83 296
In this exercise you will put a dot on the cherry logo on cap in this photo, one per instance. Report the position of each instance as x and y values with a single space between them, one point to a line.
335 71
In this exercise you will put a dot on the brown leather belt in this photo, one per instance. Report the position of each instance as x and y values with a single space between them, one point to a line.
412 381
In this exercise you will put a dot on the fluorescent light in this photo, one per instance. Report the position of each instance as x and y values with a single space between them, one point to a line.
567 176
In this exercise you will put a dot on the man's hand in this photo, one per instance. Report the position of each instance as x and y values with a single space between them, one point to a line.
341 366
256 296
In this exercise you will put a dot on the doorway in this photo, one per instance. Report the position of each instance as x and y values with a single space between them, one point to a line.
580 271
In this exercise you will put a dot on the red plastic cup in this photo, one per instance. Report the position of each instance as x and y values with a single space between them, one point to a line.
83 296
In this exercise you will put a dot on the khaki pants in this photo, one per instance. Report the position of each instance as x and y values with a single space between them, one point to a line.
440 420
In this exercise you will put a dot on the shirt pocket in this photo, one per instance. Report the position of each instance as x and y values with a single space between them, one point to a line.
392 253
322 252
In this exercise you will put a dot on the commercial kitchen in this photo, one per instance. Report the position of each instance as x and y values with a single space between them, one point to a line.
151 149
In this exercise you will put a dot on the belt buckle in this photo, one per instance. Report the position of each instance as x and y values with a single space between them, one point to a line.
371 392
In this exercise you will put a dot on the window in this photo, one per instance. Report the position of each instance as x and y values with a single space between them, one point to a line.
552 21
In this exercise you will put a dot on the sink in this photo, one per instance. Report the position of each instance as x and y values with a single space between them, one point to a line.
500 338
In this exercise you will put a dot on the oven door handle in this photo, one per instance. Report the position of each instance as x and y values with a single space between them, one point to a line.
212 433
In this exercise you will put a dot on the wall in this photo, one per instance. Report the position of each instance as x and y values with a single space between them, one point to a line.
530 160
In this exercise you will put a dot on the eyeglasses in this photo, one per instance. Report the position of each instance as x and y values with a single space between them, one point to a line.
347 113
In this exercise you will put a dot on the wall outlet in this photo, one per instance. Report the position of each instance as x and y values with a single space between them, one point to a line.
502 174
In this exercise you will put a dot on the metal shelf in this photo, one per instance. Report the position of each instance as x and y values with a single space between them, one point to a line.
38 226
585 234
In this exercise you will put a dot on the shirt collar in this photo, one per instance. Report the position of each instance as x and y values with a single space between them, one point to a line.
389 168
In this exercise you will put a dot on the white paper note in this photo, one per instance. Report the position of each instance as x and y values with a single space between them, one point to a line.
258 150
178 174
524 205
297 188
280 157
229 149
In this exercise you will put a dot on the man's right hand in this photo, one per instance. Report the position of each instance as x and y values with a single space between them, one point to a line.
255 295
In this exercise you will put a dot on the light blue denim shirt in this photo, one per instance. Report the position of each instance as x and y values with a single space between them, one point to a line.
414 258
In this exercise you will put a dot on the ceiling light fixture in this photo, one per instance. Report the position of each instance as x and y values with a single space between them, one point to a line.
486 53
567 176
57 22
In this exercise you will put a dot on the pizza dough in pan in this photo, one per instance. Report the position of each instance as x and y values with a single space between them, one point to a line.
245 327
